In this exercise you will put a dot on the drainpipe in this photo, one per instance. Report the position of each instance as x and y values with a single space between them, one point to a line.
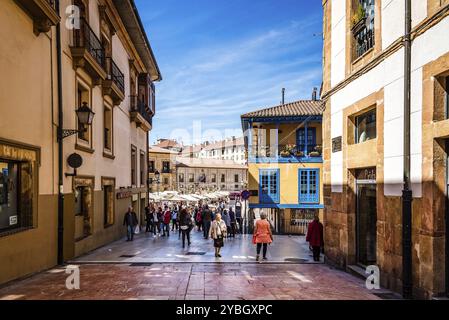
60 146
407 281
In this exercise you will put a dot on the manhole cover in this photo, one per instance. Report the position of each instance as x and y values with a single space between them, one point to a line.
195 253
128 256
297 260
141 264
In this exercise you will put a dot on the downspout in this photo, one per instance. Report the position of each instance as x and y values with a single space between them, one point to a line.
407 281
60 145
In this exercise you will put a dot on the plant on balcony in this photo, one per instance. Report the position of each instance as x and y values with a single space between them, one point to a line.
317 151
358 19
287 150
299 153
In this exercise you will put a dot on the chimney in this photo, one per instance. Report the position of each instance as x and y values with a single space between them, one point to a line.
314 94
283 96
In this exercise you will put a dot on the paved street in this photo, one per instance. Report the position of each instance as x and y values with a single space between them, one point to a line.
145 248
186 281
154 272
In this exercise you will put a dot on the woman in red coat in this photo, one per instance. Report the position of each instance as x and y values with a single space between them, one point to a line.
315 237
262 235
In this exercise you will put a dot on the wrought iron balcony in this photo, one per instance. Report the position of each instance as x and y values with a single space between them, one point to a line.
88 52
43 13
364 41
140 113
114 85
287 153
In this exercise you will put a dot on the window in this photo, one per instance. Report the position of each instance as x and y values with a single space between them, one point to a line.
236 187
365 126
142 168
83 216
223 178
108 204
306 140
308 186
214 178
107 123
191 177
181 177
82 96
362 25
166 181
16 195
269 186
151 166
236 178
133 165
165 166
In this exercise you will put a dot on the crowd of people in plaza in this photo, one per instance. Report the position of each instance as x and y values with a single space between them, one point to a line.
217 221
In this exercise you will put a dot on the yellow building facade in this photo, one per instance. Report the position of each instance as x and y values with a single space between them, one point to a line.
285 164
50 212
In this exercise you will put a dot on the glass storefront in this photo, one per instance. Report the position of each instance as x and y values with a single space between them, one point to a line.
15 195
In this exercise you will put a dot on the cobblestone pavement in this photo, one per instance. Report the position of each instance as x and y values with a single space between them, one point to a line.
198 281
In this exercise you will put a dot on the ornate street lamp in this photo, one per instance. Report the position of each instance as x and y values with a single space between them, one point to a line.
85 117
157 177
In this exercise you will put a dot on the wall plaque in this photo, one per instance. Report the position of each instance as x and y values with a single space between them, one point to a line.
336 144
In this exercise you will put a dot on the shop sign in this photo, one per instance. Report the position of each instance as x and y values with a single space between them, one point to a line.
143 195
336 144
12 220
135 197
366 174
124 194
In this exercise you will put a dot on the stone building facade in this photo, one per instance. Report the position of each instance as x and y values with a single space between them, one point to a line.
363 85
107 65
163 162
207 175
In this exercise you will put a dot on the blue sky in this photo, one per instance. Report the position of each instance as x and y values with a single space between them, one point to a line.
222 58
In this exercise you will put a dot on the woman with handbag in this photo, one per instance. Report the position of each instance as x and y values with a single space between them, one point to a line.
262 235
185 225
217 232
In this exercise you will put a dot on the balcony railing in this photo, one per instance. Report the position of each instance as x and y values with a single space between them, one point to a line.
85 37
115 74
52 3
138 106
288 153
364 41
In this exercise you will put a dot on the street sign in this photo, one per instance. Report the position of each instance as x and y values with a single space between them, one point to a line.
245 194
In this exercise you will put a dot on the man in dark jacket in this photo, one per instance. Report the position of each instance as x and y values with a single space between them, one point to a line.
207 220
315 237
130 221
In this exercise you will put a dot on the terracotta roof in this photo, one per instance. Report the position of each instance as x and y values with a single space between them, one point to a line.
168 144
208 163
156 149
297 108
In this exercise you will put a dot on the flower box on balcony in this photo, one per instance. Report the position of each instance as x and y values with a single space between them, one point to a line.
358 26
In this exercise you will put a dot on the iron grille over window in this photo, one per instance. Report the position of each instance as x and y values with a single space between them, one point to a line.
363 27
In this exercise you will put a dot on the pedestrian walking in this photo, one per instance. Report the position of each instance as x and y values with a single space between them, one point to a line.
233 222
198 218
174 216
262 236
227 220
148 218
207 220
315 237
238 216
130 221
185 225
218 232
166 222
160 219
